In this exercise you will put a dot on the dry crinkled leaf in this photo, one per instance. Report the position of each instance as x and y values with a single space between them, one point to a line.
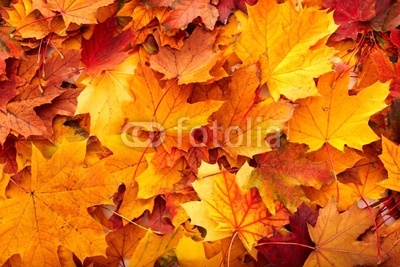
337 118
225 209
335 236
49 209
286 43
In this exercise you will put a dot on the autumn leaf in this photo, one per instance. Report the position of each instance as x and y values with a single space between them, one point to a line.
156 179
226 210
335 237
364 178
77 11
227 7
391 161
277 36
112 93
49 208
9 84
277 247
152 246
242 124
21 116
279 176
9 47
121 245
184 11
101 51
350 15
338 161
337 118
192 63
165 113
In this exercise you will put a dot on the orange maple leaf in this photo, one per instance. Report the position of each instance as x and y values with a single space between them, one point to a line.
226 210
244 120
192 63
77 11
391 160
335 237
185 11
167 111
49 209
20 115
337 118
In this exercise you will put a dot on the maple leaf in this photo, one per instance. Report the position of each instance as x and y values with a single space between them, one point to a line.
77 11
156 179
387 71
9 85
121 245
338 161
152 246
349 15
167 111
391 161
335 237
277 247
158 219
60 67
184 11
279 176
225 209
21 116
192 63
8 155
111 92
49 208
242 123
277 36
100 52
9 47
337 118
364 178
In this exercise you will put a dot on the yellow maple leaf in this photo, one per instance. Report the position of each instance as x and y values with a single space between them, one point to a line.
337 118
226 210
335 237
49 208
391 160
111 94
77 11
286 43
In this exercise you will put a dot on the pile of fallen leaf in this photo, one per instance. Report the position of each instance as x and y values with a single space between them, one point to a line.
199 133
